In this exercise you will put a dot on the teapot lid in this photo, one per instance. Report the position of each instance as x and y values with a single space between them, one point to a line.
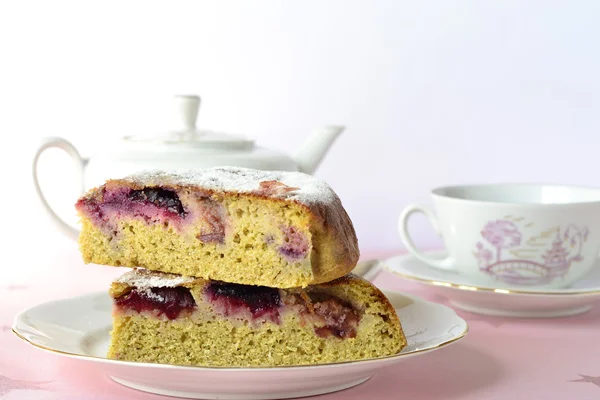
187 107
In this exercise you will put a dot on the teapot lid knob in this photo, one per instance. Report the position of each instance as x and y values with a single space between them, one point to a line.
187 107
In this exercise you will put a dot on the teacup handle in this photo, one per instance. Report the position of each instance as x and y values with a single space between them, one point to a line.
67 147
445 263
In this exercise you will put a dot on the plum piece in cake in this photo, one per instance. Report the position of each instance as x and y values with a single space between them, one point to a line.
166 318
278 229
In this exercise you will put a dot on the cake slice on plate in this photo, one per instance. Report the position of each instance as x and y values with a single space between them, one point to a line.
278 229
172 319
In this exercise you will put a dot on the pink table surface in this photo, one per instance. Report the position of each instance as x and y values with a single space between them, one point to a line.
501 358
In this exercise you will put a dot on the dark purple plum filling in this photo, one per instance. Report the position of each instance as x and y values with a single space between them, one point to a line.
231 299
161 198
155 205
340 319
151 204
167 301
295 244
292 252
91 208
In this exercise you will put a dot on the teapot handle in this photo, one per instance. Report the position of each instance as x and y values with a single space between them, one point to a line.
66 146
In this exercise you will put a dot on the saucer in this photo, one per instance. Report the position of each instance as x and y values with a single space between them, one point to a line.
510 302
79 328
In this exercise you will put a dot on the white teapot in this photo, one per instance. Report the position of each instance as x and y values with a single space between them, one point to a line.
183 149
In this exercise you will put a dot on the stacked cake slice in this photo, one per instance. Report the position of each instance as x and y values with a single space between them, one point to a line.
234 267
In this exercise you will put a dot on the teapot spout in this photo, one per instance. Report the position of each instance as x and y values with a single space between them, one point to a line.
316 146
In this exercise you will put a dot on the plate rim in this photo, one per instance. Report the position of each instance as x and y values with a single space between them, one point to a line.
383 263
141 364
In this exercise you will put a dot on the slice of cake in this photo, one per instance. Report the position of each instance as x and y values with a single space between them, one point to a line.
168 318
278 229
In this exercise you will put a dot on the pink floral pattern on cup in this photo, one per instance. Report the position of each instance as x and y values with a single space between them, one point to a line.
531 260
502 235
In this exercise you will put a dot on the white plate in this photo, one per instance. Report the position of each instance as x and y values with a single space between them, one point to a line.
79 328
517 302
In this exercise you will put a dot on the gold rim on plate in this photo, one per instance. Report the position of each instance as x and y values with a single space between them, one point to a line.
146 364
473 288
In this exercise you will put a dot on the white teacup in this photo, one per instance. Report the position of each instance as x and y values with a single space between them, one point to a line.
511 235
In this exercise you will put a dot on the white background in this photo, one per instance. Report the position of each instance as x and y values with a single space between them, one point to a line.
432 92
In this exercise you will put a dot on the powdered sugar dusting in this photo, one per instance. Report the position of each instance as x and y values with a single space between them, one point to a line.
144 279
306 188
151 295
